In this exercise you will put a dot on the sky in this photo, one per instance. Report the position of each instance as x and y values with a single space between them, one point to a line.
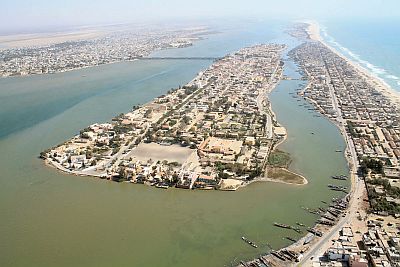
31 15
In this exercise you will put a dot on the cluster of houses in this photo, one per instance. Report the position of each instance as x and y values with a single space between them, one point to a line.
372 119
378 246
226 116
115 47
98 147
345 249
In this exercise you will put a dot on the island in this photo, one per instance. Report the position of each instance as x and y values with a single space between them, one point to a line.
216 132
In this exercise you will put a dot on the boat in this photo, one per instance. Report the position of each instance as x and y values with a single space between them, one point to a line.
282 225
285 255
251 243
328 217
276 254
313 211
338 150
291 239
300 224
337 187
264 261
334 212
315 232
321 209
291 254
163 186
297 230
308 239
339 177
325 222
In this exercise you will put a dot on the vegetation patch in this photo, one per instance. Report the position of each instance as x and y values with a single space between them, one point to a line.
279 158
379 202
375 165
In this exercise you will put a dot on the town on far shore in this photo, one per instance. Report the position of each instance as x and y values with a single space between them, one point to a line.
216 132
104 47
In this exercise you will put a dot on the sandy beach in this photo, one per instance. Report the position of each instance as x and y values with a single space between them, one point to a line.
314 32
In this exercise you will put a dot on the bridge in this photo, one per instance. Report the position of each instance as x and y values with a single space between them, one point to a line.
176 58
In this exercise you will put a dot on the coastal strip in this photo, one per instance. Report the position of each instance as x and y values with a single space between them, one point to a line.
367 113
216 132
366 110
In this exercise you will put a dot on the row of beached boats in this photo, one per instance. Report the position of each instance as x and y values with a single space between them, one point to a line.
328 216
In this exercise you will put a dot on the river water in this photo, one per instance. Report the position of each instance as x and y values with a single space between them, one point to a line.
52 219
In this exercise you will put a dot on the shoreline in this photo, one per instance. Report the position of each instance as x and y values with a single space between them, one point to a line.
274 147
268 179
305 181
65 71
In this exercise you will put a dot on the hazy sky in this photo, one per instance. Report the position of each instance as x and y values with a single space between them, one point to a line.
42 14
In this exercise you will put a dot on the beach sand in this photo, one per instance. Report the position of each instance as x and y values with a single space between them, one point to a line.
283 175
380 85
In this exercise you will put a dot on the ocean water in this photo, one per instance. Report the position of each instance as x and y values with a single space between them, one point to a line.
373 44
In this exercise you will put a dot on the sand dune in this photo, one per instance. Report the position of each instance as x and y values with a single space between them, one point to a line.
28 40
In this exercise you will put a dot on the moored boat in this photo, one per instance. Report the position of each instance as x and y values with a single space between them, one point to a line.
291 239
251 243
282 225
